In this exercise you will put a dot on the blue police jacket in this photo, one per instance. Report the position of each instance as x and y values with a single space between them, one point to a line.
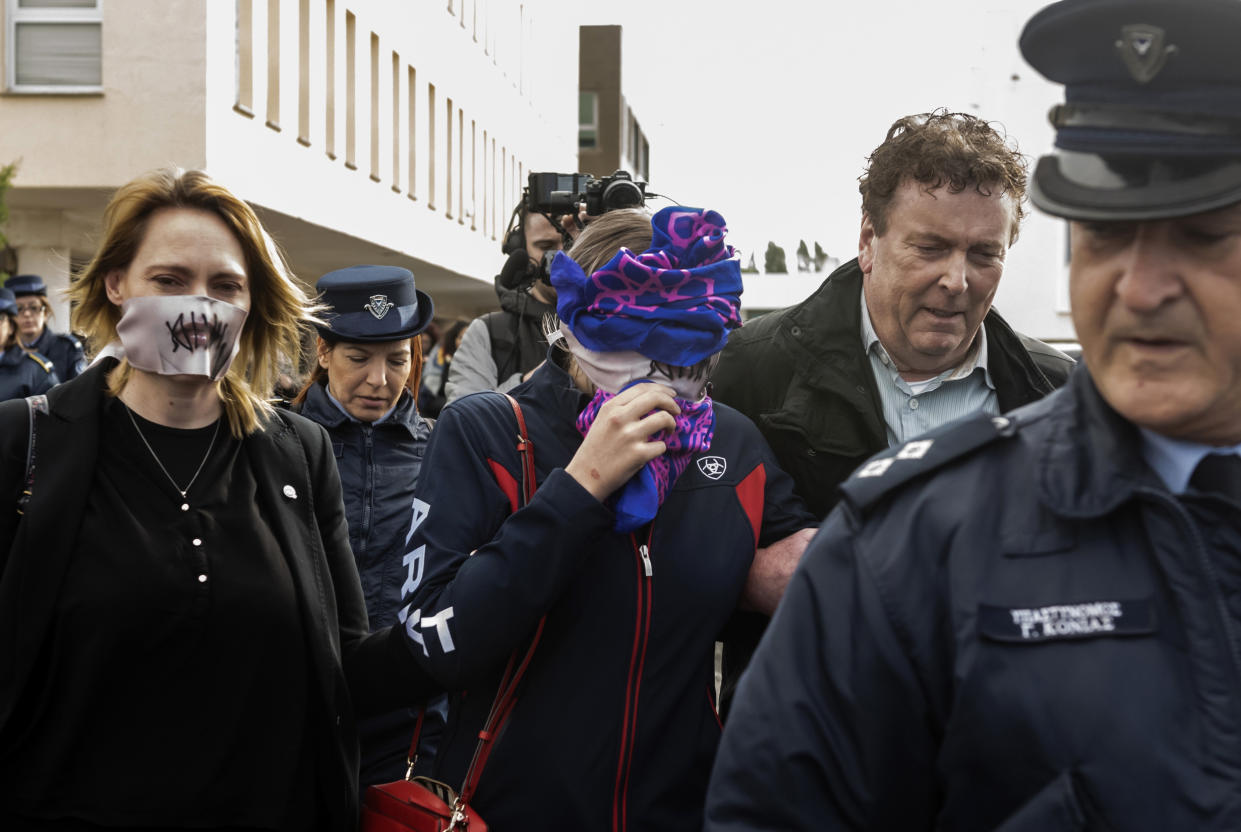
1007 624
615 727
379 465
63 350
24 374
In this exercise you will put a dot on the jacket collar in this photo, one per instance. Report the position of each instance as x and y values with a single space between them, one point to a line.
825 331
82 400
1092 460
552 395
40 344
319 408
523 304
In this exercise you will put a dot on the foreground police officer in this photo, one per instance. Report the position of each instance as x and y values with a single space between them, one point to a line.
33 310
1034 622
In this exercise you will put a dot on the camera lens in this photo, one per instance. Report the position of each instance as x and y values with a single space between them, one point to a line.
622 193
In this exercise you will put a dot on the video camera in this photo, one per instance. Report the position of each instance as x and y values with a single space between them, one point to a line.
556 194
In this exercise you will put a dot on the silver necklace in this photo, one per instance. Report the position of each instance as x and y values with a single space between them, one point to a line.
185 506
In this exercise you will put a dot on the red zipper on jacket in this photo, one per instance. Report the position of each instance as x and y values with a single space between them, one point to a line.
637 660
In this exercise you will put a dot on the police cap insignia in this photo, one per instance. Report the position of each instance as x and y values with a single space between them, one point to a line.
1142 49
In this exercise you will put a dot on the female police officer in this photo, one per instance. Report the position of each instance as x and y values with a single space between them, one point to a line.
21 373
33 310
363 391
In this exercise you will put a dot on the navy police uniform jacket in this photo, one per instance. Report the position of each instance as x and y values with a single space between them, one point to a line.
615 725
63 350
379 465
24 374
1008 624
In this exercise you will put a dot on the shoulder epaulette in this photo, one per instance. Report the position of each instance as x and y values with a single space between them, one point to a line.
889 470
41 361
72 339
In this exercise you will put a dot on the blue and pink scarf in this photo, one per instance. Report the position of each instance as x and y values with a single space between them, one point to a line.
674 303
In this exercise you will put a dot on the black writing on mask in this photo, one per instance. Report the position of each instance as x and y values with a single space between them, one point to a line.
187 334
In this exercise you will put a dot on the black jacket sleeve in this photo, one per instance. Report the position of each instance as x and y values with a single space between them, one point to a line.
14 433
380 672
480 577
831 728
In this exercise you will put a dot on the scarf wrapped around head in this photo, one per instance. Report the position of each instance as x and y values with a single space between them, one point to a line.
674 303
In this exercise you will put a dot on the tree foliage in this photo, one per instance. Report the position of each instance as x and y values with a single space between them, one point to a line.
750 268
7 174
773 260
820 257
803 256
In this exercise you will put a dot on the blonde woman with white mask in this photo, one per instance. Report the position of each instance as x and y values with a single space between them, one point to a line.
183 637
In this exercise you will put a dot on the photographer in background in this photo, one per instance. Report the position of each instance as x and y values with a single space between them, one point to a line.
501 349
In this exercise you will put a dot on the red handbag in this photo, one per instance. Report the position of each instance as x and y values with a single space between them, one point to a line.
420 804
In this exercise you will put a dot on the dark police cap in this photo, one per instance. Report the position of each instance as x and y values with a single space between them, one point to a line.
373 303
8 303
1151 124
26 284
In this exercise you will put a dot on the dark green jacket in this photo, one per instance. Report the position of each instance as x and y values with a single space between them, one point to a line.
801 375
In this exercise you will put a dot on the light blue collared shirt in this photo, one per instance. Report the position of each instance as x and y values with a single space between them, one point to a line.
911 408
1174 460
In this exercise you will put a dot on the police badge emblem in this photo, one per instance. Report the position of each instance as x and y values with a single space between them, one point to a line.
378 306
1142 49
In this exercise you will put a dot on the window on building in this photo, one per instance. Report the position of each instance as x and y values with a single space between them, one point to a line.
56 46
587 120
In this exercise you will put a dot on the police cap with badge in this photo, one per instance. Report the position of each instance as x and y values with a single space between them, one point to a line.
1151 124
8 302
373 303
26 284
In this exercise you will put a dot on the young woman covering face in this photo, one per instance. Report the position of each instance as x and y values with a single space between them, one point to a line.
634 551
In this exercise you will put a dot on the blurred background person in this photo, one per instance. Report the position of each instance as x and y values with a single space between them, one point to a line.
362 391
183 637
22 373
637 546
33 310
433 391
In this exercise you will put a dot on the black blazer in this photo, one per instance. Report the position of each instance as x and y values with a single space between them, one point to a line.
300 488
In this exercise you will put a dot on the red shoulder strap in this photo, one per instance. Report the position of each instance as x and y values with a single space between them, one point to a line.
506 693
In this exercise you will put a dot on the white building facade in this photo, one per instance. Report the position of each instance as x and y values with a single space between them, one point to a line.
364 131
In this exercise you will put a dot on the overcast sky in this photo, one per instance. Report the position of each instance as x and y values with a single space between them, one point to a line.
767 114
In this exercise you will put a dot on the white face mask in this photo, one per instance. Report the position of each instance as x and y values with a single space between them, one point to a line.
611 371
181 334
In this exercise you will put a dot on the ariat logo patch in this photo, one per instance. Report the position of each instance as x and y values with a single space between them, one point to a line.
1066 621
712 467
